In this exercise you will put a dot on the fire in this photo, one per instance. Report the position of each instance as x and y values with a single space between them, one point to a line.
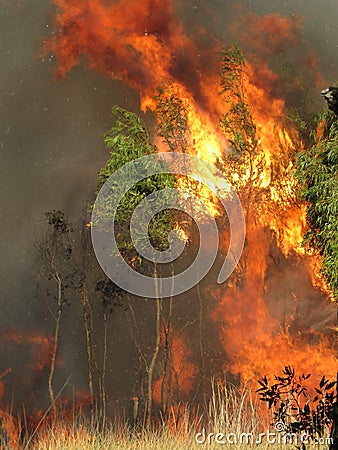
204 141
182 233
257 344
317 278
184 372
38 348
9 430
142 44
8 424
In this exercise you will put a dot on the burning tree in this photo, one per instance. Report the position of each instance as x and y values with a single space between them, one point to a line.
244 160
128 139
253 123
173 128
317 175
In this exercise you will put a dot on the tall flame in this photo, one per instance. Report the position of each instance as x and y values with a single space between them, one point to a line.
142 44
39 349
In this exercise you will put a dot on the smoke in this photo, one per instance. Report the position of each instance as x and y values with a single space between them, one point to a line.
51 148
50 145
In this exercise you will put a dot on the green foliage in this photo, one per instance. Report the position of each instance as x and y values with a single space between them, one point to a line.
317 173
297 120
237 123
172 118
128 140
243 160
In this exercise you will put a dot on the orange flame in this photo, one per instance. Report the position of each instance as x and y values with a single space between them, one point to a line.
142 44
184 372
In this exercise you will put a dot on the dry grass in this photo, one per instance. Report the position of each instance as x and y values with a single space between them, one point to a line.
150 441
230 411
161 440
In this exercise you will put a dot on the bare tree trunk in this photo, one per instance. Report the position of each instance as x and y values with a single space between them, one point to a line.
168 362
201 335
155 354
142 360
88 325
101 370
58 281
103 375
166 382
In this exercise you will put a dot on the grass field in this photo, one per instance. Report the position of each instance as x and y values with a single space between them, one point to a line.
79 439
161 441
230 411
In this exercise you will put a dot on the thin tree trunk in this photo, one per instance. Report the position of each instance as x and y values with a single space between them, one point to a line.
88 319
56 343
134 332
248 220
168 362
201 335
103 374
155 354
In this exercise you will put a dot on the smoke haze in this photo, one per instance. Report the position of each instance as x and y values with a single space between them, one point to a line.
51 146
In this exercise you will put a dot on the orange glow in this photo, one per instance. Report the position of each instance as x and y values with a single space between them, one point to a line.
39 347
10 430
182 234
184 371
146 47
317 278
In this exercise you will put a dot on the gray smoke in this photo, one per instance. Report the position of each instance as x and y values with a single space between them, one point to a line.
50 143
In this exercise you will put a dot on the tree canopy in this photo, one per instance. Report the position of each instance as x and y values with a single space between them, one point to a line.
128 140
317 173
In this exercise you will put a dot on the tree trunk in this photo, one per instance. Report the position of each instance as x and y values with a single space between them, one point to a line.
134 332
166 391
88 322
201 335
155 354
56 343
103 389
